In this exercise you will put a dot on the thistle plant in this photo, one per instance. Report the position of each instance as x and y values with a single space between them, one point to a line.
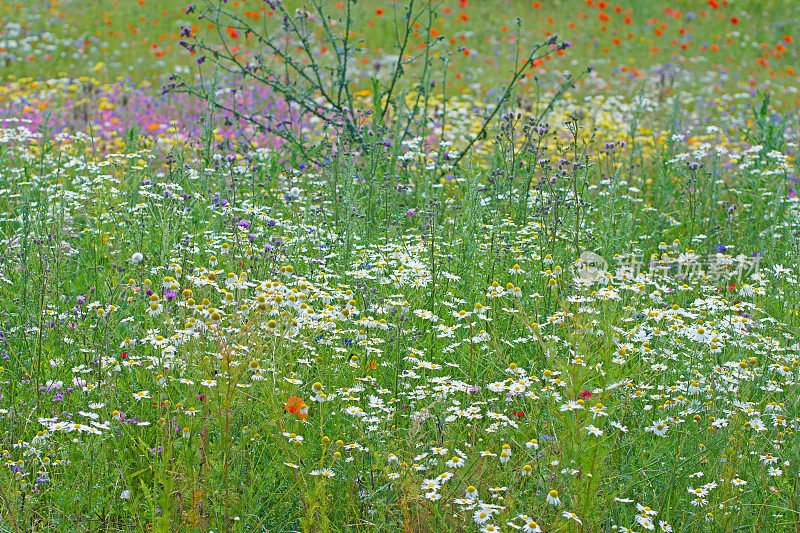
307 58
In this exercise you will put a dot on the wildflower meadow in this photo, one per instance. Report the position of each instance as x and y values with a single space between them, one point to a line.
399 265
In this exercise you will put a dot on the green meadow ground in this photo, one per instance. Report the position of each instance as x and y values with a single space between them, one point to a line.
110 38
586 322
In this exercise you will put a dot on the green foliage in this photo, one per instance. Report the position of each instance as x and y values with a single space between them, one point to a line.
575 312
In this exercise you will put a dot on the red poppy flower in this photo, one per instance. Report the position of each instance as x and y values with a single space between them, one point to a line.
297 406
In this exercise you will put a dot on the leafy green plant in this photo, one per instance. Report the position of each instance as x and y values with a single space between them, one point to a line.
307 59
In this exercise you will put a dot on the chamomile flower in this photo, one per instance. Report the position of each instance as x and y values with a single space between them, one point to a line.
455 462
699 492
594 431
658 428
768 459
531 526
481 516
645 520
430 485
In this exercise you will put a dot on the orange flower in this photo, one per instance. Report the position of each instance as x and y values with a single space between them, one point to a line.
379 12
297 406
